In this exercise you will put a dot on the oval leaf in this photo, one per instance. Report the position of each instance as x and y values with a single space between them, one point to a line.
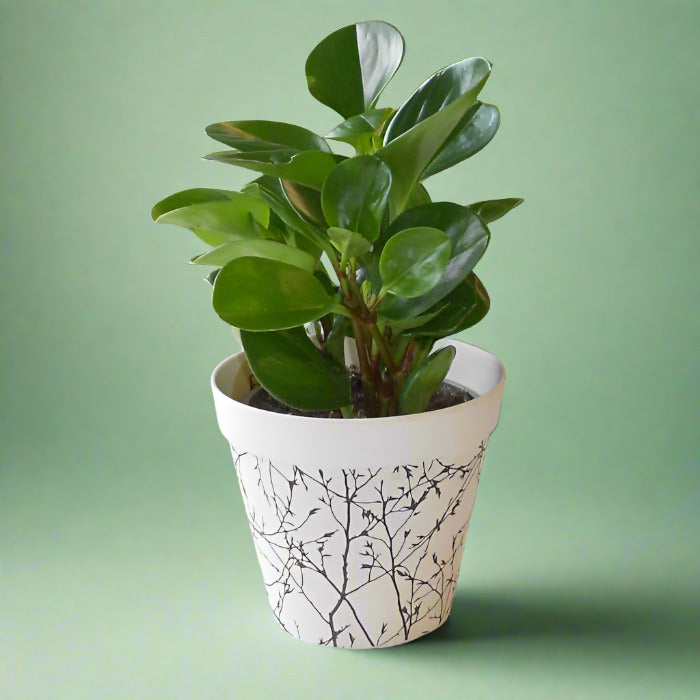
197 195
257 249
478 126
424 381
231 216
494 209
306 201
310 168
359 130
469 238
261 135
465 77
355 195
272 191
348 69
413 261
217 238
465 307
348 243
295 371
409 149
261 295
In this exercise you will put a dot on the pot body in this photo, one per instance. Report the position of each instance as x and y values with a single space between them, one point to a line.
359 525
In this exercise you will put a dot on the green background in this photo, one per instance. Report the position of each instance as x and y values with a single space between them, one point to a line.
127 569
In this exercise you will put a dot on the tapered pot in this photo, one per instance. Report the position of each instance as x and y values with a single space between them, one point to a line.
359 525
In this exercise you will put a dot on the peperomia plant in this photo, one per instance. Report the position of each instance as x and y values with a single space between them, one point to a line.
322 247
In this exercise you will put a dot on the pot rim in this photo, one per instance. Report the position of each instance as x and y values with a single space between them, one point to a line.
478 398
362 442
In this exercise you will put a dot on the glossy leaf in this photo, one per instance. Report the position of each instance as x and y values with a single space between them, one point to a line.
494 209
478 126
360 130
424 381
310 168
335 343
212 211
217 238
211 277
469 238
261 135
418 196
197 195
271 190
233 218
355 195
348 243
305 200
426 121
321 274
413 261
465 77
258 295
403 324
257 249
295 371
348 69
464 307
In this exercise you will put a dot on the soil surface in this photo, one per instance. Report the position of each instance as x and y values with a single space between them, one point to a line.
447 395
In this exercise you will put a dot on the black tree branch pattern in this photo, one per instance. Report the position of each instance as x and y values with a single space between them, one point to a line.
359 558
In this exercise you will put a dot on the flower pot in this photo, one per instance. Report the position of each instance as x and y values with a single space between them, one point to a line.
359 525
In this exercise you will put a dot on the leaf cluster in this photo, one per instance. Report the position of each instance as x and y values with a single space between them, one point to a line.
322 250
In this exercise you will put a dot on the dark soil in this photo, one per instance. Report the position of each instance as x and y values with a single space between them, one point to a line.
447 395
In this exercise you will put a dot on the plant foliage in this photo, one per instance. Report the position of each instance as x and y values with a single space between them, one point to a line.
322 247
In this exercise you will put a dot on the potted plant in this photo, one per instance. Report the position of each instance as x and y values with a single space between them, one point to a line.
343 278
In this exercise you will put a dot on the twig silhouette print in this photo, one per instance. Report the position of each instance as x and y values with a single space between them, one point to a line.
359 558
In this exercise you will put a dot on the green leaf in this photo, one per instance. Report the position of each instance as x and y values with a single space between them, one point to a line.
469 238
494 209
478 126
321 274
211 277
310 168
355 195
306 201
215 216
335 343
465 77
418 196
197 195
348 243
348 69
423 124
403 324
295 371
261 135
257 294
233 217
464 307
413 261
257 249
270 188
359 130
424 381
217 238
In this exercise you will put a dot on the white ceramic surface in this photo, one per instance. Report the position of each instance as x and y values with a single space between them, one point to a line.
359 525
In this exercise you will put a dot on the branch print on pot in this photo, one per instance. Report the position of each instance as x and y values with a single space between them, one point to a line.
359 558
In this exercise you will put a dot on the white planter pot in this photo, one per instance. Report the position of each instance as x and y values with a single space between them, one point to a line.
359 525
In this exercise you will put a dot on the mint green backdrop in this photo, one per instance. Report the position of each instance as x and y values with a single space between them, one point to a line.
127 569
